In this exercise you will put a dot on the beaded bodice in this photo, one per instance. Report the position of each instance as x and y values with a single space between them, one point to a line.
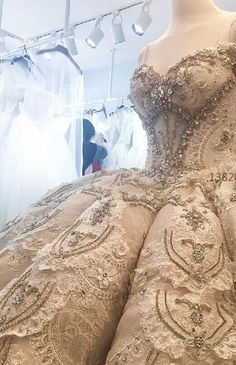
189 113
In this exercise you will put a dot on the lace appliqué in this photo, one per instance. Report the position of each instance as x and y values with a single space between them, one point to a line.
197 338
197 272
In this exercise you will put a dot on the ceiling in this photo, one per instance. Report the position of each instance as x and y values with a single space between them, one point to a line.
28 18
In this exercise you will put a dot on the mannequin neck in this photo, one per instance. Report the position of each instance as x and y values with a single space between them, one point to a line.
192 11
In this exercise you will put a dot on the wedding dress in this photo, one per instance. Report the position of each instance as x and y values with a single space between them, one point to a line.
138 262
126 140
34 153
125 135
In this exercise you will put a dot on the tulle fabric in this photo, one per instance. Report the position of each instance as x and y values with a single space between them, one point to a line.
36 151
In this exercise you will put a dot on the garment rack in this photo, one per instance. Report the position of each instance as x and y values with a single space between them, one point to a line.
105 101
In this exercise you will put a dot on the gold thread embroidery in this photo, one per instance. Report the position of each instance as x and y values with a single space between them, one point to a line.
5 298
5 348
41 299
199 274
194 218
77 239
56 196
198 254
152 357
150 202
200 341
39 221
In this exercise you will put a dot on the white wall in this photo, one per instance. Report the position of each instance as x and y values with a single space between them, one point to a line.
97 81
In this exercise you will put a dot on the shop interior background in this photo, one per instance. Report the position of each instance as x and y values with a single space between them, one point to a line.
28 18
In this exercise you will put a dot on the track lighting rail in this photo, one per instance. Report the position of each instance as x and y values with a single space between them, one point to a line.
67 33
67 30
73 26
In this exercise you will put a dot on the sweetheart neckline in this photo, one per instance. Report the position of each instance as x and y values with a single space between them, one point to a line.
184 58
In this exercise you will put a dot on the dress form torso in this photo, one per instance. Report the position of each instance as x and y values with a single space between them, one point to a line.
182 92
187 32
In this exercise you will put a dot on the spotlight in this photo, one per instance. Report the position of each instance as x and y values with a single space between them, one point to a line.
117 29
71 44
144 20
96 35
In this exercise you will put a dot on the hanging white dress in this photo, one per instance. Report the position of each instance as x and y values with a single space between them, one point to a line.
126 140
34 153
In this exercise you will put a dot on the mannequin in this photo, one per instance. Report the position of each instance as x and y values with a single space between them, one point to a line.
194 25
190 12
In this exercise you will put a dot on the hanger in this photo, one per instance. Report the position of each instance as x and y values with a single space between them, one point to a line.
93 111
90 111
26 63
122 104
104 110
122 107
61 49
